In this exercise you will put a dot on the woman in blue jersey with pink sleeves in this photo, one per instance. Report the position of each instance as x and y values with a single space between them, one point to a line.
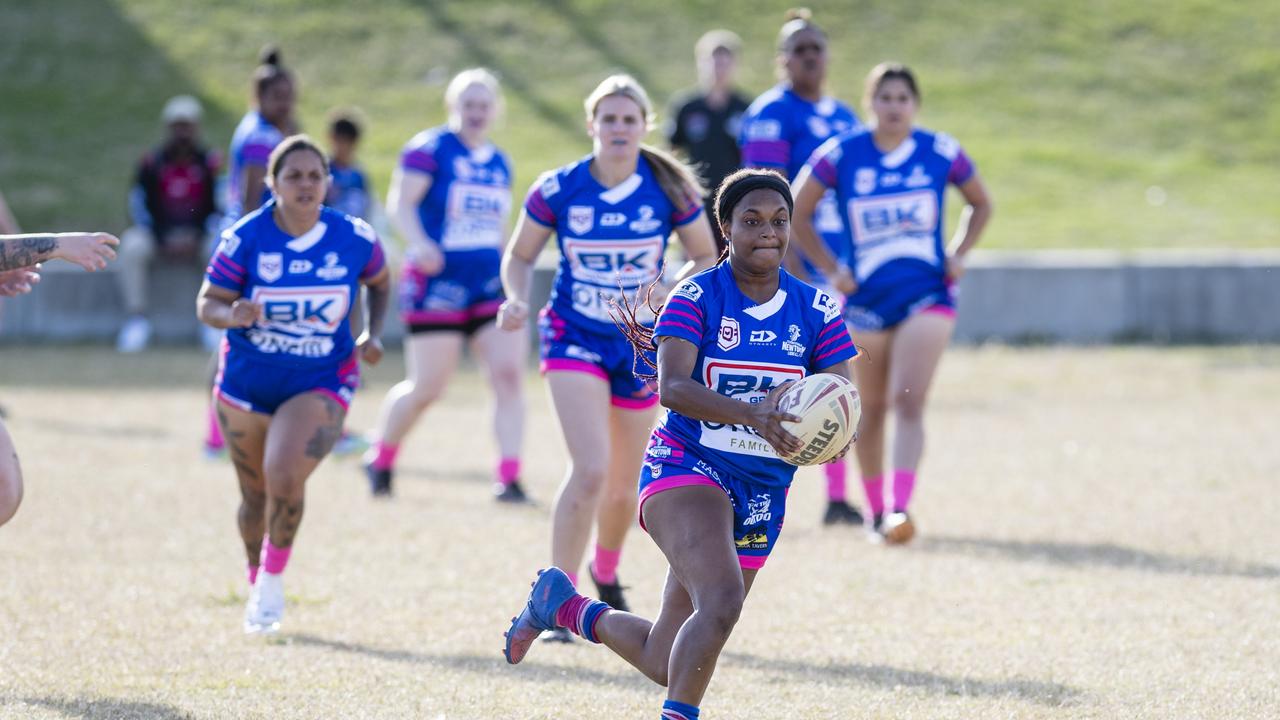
450 198
780 130
258 133
890 183
281 283
713 490
612 213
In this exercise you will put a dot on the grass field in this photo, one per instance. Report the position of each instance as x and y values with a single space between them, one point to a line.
1073 111
1098 541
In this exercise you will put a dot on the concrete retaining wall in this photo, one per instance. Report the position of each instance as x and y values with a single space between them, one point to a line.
1044 296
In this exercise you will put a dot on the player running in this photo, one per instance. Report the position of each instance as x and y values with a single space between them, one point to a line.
281 283
890 184
450 198
781 129
259 132
612 213
713 490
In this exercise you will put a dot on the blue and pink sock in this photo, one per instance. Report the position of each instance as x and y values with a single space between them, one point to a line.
579 614
508 470
904 483
675 710
605 564
835 481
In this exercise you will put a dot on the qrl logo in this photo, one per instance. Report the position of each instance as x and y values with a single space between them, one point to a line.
308 309
730 334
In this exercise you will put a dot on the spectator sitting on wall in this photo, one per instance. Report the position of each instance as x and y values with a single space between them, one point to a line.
172 208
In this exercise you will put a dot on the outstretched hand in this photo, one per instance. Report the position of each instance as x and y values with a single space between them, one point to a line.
91 251
19 282
767 420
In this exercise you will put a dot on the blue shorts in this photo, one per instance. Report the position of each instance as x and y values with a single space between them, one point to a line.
463 297
255 386
757 508
609 357
880 309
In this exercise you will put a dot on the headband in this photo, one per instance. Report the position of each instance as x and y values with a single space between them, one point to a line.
732 194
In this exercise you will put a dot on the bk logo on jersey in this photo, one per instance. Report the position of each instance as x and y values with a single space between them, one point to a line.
747 381
610 262
885 216
304 309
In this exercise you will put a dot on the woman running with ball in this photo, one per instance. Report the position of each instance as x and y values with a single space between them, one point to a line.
779 132
450 198
281 284
890 183
612 213
713 490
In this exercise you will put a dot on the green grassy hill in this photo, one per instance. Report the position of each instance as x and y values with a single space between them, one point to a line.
1073 111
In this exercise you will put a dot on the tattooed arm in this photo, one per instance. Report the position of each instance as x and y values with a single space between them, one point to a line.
90 251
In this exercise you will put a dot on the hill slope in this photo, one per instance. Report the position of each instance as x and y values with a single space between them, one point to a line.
1073 112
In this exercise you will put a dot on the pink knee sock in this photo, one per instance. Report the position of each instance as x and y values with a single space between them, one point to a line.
835 480
274 558
904 481
383 455
874 487
252 573
508 470
213 438
605 566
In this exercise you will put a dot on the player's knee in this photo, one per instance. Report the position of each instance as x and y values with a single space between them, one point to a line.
589 475
283 481
722 606
908 405
507 379
422 394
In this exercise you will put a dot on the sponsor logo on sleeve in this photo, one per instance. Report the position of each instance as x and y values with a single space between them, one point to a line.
581 219
827 305
270 266
689 289
363 229
946 146
550 186
730 334
230 243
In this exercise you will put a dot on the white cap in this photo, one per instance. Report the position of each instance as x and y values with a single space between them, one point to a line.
182 108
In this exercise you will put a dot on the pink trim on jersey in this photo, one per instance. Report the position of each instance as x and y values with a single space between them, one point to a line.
834 351
961 169
667 438
676 323
689 215
435 316
681 313
377 261
231 264
256 153
337 398
833 326
538 209
419 160
752 562
824 171
834 338
570 365
633 403
766 153
670 483
233 401
697 311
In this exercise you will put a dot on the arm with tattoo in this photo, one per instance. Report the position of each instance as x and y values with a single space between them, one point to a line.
90 251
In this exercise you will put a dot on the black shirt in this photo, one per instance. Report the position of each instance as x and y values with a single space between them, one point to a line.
709 136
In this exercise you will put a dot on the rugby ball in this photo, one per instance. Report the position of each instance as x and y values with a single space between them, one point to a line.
829 409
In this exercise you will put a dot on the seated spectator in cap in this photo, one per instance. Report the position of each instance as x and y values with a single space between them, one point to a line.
173 211
703 123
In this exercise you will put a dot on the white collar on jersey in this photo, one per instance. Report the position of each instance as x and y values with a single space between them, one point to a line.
308 239
622 190
899 155
761 312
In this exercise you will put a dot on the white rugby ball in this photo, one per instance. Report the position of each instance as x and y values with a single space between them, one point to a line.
829 409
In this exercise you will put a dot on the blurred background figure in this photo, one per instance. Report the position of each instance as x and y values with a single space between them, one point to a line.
349 191
779 132
173 211
8 224
704 122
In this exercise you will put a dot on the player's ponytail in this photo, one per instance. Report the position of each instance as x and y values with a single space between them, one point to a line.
797 19
270 70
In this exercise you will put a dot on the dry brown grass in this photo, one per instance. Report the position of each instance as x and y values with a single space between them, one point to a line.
1098 539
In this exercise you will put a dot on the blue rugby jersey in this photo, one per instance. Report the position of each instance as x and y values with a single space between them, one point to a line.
466 208
251 145
305 284
348 190
609 238
744 351
892 204
781 130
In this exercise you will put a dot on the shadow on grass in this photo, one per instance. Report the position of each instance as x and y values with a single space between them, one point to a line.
108 709
1097 555
1036 691
480 664
107 429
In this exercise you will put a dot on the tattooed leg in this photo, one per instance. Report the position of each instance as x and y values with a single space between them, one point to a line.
303 431
245 433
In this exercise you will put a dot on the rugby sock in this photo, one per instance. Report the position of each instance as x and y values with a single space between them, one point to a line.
605 566
274 558
874 487
252 572
675 710
579 614
835 480
384 455
508 470
214 437
904 481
